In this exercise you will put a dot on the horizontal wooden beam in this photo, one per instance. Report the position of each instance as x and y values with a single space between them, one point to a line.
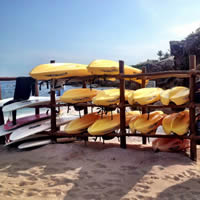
158 75
160 106
63 134
8 78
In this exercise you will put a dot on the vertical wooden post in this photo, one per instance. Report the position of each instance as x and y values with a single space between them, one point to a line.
144 110
0 92
1 112
85 109
193 147
53 106
122 107
37 110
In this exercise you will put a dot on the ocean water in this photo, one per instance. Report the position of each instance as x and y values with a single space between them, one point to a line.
7 91
8 88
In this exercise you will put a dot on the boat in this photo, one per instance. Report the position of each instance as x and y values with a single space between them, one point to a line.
177 123
147 123
80 125
78 95
58 70
144 96
109 124
109 67
109 97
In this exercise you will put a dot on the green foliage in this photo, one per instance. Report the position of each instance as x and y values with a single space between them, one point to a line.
160 54
163 55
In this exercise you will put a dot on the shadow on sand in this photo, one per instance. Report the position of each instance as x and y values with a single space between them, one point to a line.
95 171
189 189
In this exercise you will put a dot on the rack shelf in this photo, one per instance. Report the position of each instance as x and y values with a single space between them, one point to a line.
158 75
83 135
190 74
159 106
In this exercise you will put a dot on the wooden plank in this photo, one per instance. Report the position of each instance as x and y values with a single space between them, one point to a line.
53 112
1 112
193 147
86 108
91 77
1 116
88 104
8 78
53 106
0 92
160 106
158 75
83 135
37 110
122 107
144 109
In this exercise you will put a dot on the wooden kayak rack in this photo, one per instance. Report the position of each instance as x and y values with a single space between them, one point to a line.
191 74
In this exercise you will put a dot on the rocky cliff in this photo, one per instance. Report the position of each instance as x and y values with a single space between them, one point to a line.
182 49
179 60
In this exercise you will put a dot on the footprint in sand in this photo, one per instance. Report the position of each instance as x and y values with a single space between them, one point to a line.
8 193
117 192
94 185
91 196
100 165
191 173
67 168
17 192
31 193
116 174
24 183
32 178
59 181
89 159
96 171
144 187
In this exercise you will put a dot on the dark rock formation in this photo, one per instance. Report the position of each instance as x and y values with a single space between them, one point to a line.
162 65
179 60
182 49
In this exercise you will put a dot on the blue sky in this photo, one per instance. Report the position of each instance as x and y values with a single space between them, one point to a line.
33 32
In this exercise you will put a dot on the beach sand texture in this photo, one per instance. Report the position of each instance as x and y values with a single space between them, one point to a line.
97 171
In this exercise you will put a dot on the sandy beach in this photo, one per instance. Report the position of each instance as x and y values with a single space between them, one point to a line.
97 171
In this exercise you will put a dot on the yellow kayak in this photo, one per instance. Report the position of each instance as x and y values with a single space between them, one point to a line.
109 67
58 70
180 124
131 98
109 124
177 123
78 95
147 122
105 125
167 123
109 97
145 96
164 97
107 79
80 125
132 121
179 95
170 144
